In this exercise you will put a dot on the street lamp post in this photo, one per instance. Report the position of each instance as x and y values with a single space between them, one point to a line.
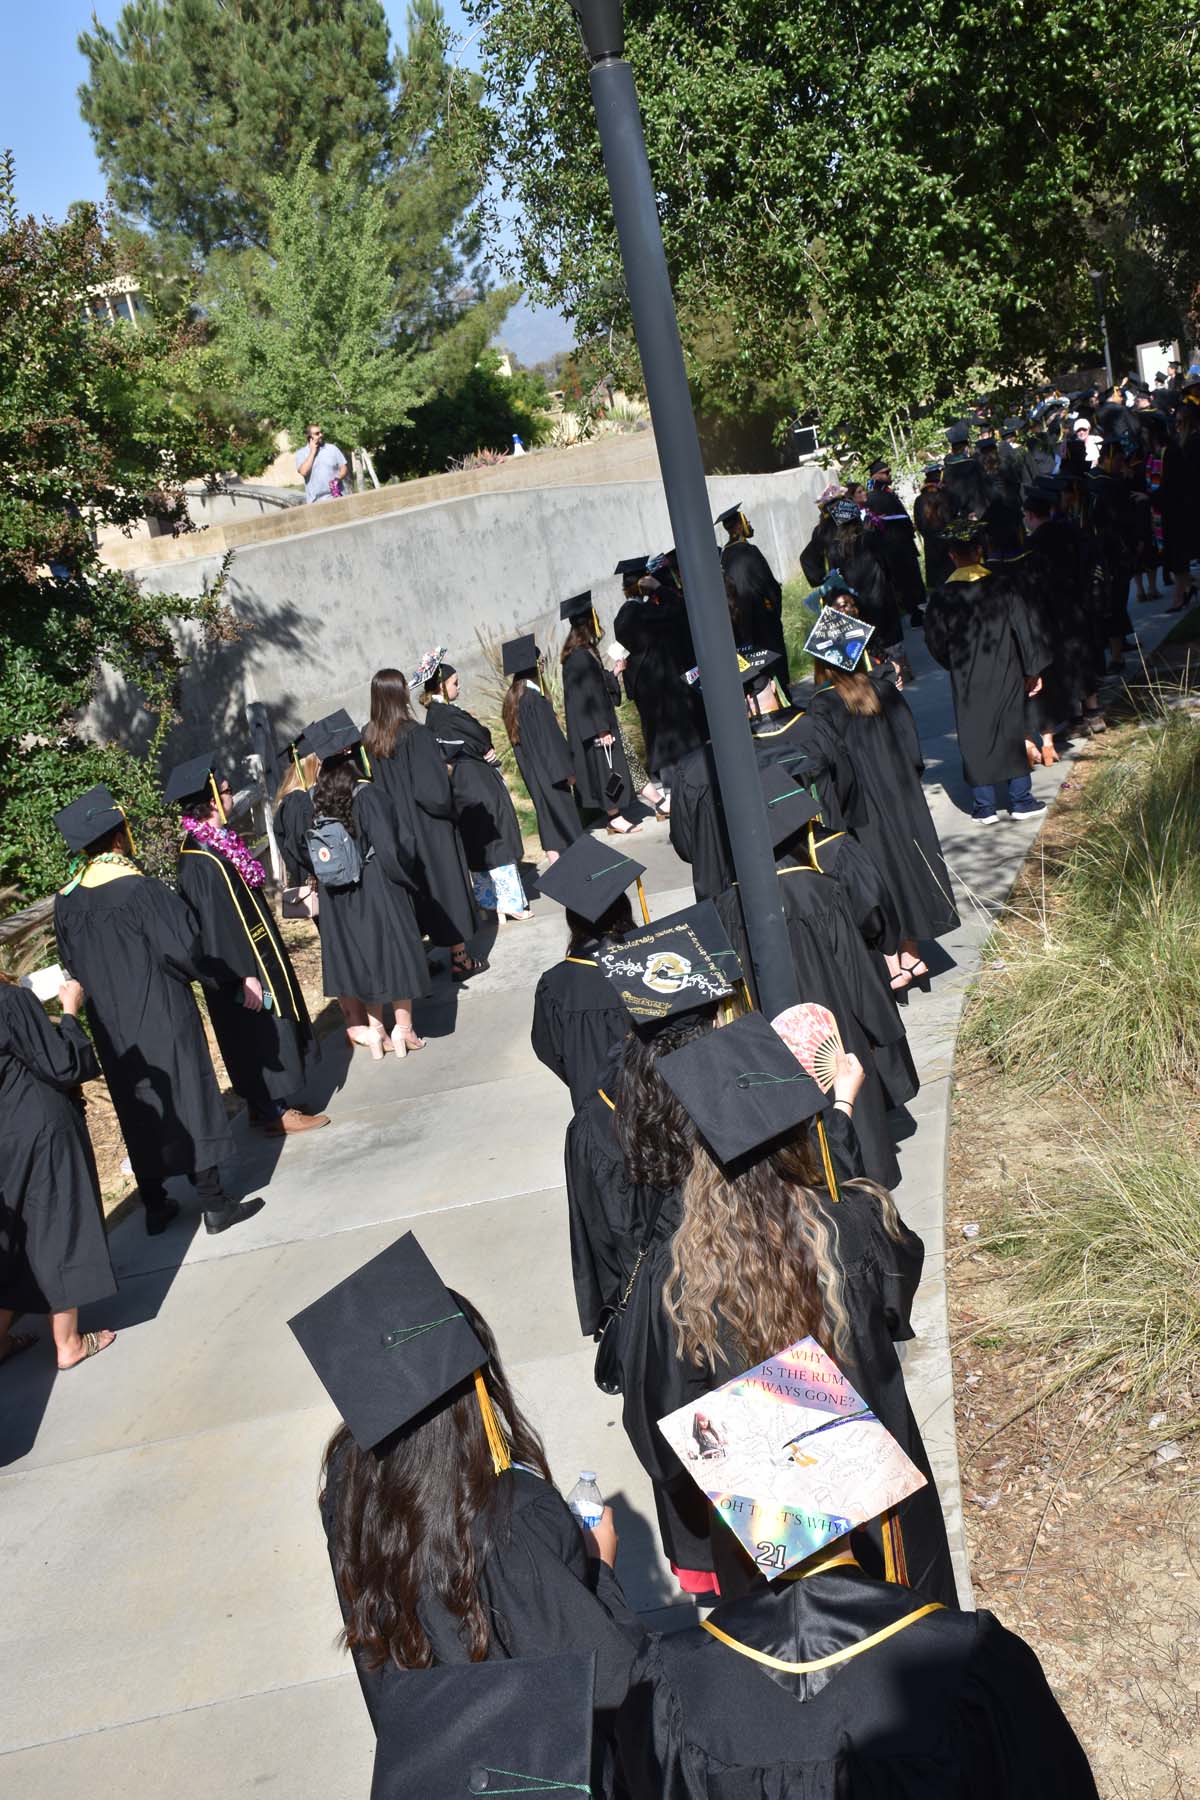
652 304
1099 285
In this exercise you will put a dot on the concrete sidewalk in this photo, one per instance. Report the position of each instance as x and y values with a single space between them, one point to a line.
169 1619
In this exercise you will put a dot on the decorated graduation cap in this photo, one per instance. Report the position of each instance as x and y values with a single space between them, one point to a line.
189 780
588 877
754 669
844 512
331 736
389 1342
676 966
790 1455
520 654
632 567
789 807
580 611
432 669
827 496
92 816
839 639
963 530
741 1087
502 1727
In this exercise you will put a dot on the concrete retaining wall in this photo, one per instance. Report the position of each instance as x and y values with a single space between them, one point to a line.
323 609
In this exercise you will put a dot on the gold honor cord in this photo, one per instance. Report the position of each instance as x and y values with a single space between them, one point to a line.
611 1104
895 1562
822 1662
501 1459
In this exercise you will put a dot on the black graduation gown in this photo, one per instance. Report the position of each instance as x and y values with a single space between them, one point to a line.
876 597
964 480
577 1021
834 968
656 635
894 823
898 540
951 1707
938 566
415 780
544 759
293 819
590 695
264 1052
132 943
1052 580
814 558
841 856
370 945
487 819
978 627
759 600
53 1248
544 1595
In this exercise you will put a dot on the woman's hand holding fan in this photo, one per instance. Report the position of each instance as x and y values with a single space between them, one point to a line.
811 1034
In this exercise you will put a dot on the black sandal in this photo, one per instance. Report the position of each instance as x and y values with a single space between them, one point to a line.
463 965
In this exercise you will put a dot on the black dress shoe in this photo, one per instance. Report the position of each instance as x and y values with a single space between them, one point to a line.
159 1217
233 1214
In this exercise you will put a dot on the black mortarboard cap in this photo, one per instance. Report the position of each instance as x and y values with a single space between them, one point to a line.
754 664
789 808
579 606
731 512
632 566
388 1342
588 876
880 462
520 654
92 816
933 470
675 966
1011 427
298 745
501 1727
958 433
332 735
188 778
741 1087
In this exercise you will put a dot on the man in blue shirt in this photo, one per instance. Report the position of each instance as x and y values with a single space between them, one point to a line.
321 465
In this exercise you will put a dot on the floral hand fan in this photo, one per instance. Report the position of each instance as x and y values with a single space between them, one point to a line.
811 1034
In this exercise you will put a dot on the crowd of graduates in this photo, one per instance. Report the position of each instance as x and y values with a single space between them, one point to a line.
723 1202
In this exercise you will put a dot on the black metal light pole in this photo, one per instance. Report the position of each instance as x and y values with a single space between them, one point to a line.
649 286
1099 285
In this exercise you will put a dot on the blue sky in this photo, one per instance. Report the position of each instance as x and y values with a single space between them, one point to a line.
40 75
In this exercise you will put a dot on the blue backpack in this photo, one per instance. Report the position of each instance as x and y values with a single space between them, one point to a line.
337 861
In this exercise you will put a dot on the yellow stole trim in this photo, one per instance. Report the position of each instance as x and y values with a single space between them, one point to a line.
779 729
969 572
822 1662
582 962
249 935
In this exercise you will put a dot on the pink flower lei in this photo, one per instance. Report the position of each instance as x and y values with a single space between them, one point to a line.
226 844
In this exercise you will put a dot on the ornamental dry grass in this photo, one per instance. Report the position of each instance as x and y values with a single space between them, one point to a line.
1098 984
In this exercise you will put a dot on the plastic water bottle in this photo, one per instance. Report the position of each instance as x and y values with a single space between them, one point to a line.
586 1501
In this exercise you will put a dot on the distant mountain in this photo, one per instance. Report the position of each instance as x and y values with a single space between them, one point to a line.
534 332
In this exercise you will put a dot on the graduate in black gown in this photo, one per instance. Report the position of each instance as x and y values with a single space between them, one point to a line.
257 1010
483 808
834 969
653 627
293 812
898 538
132 943
931 510
980 629
859 558
752 583
53 1248
865 709
829 1683
447 1539
814 558
370 944
1052 580
578 1019
404 758
542 753
591 694
962 476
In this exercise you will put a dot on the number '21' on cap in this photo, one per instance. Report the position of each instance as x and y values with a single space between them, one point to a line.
503 1727
388 1342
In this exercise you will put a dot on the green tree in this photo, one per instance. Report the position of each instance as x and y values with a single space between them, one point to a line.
864 209
96 423
481 411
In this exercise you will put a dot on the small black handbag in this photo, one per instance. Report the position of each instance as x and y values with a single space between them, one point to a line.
609 1374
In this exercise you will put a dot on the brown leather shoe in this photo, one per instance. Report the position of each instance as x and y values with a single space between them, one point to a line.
295 1120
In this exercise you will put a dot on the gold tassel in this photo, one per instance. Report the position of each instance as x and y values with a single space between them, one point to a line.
501 1460
642 897
212 782
827 1160
128 830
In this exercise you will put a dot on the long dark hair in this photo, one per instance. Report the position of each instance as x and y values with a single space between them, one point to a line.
403 1536
845 542
510 711
391 712
333 796
615 922
580 637
655 1133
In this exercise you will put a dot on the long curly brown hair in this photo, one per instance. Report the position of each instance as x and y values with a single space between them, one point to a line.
333 795
754 1262
414 1521
655 1133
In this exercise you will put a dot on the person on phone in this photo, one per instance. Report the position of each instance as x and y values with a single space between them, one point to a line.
53 1249
255 1001
448 1540
322 467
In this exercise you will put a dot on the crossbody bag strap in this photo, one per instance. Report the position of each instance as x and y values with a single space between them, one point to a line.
643 1249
